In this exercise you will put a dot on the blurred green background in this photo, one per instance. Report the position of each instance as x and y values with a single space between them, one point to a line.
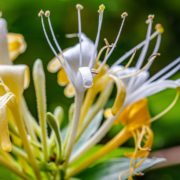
22 18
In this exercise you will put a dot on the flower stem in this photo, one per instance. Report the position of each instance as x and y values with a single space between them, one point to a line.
72 131
22 131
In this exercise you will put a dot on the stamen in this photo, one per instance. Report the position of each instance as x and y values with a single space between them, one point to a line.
172 104
131 59
67 68
1 14
164 70
47 14
127 65
41 13
145 48
100 11
127 54
101 51
159 28
123 16
170 73
150 61
79 7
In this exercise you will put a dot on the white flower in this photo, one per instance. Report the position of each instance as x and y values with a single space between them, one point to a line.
79 60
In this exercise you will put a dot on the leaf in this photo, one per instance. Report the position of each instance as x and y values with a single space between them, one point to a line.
111 170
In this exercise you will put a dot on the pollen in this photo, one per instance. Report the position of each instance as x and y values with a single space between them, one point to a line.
41 13
79 7
47 13
101 8
124 14
159 28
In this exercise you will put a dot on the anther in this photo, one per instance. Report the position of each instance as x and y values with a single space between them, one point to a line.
159 28
47 13
124 15
93 71
41 13
1 14
150 18
79 7
101 8
154 55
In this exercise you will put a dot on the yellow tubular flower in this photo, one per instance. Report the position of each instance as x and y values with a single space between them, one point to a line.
136 120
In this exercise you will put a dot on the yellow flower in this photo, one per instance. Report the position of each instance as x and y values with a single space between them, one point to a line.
136 121
14 79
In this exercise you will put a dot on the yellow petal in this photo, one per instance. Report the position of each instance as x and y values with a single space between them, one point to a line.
54 65
15 77
62 78
69 91
135 115
16 45
120 97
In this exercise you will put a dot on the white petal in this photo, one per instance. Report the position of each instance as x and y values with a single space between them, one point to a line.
150 89
4 54
86 76
72 54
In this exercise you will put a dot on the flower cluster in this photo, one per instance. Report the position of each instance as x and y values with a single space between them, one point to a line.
30 151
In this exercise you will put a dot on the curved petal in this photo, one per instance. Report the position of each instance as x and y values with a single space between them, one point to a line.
15 77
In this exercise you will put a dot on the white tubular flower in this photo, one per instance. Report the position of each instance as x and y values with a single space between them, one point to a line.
144 86
138 83
79 60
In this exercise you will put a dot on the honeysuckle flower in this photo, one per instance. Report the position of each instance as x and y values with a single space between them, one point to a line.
11 44
78 62
133 86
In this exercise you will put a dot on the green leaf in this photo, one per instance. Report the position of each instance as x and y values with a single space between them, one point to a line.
54 126
111 170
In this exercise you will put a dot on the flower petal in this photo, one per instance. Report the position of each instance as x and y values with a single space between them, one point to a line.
15 77
16 45
86 75
4 54
62 78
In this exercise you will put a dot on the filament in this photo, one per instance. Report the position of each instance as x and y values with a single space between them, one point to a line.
124 15
100 11
79 8
172 104
164 70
